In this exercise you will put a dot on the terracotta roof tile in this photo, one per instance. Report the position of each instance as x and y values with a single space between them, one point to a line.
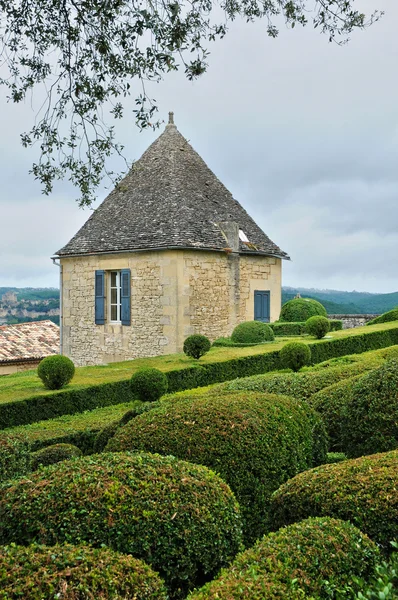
26 341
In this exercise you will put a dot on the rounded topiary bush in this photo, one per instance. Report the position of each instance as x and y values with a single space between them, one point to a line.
252 332
331 403
149 384
14 456
53 454
363 491
371 423
391 315
56 371
317 326
254 441
105 434
180 518
75 573
295 355
321 556
196 345
301 309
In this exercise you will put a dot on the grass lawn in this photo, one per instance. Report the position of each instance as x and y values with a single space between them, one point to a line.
27 384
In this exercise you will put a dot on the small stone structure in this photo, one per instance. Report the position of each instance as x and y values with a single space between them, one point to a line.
24 345
167 254
350 321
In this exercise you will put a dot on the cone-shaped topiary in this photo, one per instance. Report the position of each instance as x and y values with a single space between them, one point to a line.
317 326
254 441
56 371
295 355
322 557
53 454
75 573
180 518
363 491
196 345
301 309
252 332
371 420
149 384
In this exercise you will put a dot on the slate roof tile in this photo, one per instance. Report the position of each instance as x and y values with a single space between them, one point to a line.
169 199
27 341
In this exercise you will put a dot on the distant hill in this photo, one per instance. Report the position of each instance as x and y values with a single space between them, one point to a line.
22 305
340 302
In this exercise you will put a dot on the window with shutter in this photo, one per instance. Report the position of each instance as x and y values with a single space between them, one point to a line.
99 297
115 305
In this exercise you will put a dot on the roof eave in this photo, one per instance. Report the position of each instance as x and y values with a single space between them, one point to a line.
164 248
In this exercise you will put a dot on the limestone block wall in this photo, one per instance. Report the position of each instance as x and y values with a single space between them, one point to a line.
18 366
351 321
174 293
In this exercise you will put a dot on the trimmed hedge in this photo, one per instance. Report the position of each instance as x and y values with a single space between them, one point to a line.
391 315
332 403
252 332
295 329
295 355
73 573
301 309
255 442
54 454
39 408
14 457
362 490
317 558
149 384
180 518
56 371
371 417
317 326
196 346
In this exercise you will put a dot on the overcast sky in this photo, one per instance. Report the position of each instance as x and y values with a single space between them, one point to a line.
304 134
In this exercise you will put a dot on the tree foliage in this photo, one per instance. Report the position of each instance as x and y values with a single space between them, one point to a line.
90 55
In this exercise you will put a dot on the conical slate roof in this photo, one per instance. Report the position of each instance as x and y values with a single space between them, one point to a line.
169 199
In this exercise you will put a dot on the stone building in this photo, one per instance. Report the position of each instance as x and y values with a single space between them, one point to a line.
24 345
168 253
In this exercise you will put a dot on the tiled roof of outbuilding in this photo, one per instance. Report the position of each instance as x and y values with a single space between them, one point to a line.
169 199
28 341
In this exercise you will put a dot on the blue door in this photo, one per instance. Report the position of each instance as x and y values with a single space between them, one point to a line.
262 306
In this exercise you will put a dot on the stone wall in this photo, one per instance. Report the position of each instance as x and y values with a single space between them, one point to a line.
350 321
174 293
18 366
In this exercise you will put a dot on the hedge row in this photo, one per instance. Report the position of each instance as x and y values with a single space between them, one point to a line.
317 558
40 408
363 491
180 518
298 328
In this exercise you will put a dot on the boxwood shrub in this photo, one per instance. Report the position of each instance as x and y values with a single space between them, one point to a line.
301 309
75 572
316 558
180 518
148 384
56 371
391 315
362 490
252 332
196 346
317 326
53 454
295 355
255 441
14 456
332 403
283 328
371 423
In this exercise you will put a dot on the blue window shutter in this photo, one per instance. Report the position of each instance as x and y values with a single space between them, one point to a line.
99 297
126 296
262 306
